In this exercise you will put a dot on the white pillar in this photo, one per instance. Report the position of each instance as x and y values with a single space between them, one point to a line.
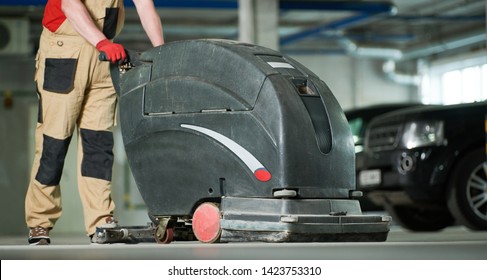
246 29
258 22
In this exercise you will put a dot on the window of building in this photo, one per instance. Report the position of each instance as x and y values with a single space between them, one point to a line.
458 80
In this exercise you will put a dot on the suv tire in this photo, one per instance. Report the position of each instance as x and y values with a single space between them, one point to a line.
419 219
467 190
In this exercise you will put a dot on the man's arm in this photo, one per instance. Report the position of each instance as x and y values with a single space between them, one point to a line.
150 21
80 19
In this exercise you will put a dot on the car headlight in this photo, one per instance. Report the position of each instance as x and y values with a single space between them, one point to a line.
422 133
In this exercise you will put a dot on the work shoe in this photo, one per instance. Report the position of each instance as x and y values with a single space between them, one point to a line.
39 236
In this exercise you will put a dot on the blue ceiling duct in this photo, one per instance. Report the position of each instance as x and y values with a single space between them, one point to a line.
336 25
352 6
364 12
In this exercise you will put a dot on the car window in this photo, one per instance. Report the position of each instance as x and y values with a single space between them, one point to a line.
357 131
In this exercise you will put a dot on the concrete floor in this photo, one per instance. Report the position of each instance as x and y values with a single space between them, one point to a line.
454 243
454 253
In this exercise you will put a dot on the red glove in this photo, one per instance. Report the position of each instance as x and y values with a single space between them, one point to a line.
114 52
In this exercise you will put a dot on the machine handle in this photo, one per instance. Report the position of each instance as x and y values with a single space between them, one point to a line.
103 56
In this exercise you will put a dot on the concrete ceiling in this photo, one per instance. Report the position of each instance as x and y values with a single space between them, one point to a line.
399 29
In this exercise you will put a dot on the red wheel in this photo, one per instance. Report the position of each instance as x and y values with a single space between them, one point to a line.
165 238
206 223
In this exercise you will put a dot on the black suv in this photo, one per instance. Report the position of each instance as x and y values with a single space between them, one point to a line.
358 119
427 166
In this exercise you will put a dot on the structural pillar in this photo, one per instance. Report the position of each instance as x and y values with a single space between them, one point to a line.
258 22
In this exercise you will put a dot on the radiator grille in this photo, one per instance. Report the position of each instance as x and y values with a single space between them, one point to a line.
383 137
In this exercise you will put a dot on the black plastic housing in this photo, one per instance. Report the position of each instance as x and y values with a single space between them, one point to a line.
214 120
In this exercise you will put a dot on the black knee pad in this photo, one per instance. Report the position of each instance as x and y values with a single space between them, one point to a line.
52 160
97 154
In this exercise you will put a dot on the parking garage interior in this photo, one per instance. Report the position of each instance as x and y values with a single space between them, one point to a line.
368 53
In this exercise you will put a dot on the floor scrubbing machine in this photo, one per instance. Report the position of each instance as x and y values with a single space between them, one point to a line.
231 142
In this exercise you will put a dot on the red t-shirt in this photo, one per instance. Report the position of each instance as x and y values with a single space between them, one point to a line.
53 15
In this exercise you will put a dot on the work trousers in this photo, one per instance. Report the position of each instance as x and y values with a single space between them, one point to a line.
75 91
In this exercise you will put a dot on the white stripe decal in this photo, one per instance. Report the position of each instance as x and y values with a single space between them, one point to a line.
245 156
280 65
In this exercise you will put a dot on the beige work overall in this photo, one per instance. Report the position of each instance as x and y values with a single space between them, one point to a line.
75 90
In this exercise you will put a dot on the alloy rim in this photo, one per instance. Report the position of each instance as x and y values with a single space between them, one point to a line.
477 191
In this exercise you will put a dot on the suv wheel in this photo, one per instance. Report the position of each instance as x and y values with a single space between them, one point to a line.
419 219
467 192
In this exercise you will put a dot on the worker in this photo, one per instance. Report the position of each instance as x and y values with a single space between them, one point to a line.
75 90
